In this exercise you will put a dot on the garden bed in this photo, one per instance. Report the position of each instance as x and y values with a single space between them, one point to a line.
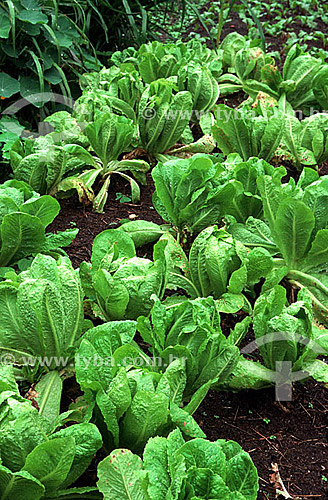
293 435
290 437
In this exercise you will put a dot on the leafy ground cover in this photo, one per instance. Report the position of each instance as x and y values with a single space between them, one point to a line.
224 241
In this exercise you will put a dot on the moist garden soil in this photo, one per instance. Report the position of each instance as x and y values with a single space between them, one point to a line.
293 434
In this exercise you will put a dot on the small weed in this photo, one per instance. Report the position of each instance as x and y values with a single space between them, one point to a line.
122 198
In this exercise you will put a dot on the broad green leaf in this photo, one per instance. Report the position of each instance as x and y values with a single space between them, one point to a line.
255 233
204 454
109 135
31 90
318 253
32 16
271 137
145 417
49 391
119 392
88 441
318 370
21 235
60 239
185 422
20 436
33 169
40 310
12 485
10 326
46 208
112 295
242 475
166 470
109 241
249 375
120 476
108 412
292 231
7 379
8 85
272 196
50 462
142 232
4 24
101 343
173 382
259 265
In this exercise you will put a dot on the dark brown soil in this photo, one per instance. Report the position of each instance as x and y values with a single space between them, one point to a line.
273 43
294 436
90 223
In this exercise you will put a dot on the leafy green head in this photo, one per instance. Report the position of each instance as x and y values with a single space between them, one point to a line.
47 301
197 468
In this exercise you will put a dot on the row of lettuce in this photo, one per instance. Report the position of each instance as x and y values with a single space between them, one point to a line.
238 239
152 101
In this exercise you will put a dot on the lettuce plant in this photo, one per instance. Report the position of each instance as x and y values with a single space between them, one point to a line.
109 136
163 116
131 404
50 168
202 85
306 140
191 331
173 468
63 128
239 185
296 81
117 283
93 103
120 89
243 60
248 131
46 302
230 45
38 460
283 333
24 217
294 231
194 193
188 193
221 267
164 60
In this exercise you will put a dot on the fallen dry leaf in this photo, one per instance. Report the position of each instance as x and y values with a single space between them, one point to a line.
277 483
